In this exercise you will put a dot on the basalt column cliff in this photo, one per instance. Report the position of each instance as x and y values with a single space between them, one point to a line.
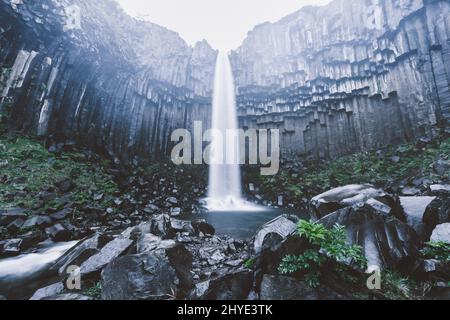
84 71
349 76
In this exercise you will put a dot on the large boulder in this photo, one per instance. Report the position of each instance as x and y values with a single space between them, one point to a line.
438 211
386 241
281 288
37 222
441 233
80 253
276 230
342 197
162 273
415 209
49 291
233 286
9 215
160 225
11 247
107 254
58 233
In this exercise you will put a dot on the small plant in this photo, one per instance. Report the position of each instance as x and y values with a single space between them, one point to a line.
249 263
396 287
95 291
437 250
325 245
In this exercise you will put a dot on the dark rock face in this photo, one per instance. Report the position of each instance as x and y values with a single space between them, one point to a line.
156 274
415 210
287 288
85 71
386 241
274 232
234 286
348 76
335 79
342 197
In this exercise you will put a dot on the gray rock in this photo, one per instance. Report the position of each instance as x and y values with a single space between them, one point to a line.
442 167
379 206
107 254
395 159
58 233
282 226
386 241
160 225
9 215
175 212
415 208
441 233
172 201
12 247
151 209
233 286
49 291
15 226
201 226
286 288
342 197
157 274
410 191
61 215
181 226
437 212
149 242
31 238
436 188
79 254
37 221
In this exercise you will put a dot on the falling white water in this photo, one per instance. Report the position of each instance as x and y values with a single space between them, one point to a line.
225 192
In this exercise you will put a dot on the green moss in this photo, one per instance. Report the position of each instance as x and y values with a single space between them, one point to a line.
437 250
250 263
95 291
27 167
396 287
365 167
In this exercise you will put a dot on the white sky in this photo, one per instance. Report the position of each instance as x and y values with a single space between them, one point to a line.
223 23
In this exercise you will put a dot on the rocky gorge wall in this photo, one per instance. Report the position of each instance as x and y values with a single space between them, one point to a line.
84 71
348 76
345 77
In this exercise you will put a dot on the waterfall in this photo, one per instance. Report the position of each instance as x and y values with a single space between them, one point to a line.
225 190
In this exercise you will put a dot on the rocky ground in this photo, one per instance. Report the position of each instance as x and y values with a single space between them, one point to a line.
139 238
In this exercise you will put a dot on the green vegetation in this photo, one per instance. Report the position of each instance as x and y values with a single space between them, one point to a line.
324 245
95 291
250 263
437 250
27 168
397 287
373 167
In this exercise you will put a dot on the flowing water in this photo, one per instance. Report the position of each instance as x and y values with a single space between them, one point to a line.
225 191
20 276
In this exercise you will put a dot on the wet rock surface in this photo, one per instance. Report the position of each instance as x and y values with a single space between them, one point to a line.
333 84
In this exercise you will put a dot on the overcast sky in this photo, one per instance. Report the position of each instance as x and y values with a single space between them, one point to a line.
223 23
